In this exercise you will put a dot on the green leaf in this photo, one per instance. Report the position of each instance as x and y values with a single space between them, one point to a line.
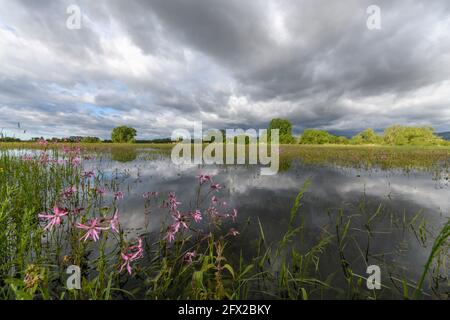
230 269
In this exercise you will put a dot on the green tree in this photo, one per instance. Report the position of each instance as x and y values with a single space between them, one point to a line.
342 140
404 135
313 136
123 134
90 140
285 130
367 136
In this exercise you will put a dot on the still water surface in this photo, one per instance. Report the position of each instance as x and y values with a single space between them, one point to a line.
405 209
394 214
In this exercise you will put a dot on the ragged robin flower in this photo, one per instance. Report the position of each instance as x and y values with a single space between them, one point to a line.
93 228
55 218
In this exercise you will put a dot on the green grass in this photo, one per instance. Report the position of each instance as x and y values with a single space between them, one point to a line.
439 249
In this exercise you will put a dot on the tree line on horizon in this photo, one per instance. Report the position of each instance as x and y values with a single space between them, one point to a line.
393 135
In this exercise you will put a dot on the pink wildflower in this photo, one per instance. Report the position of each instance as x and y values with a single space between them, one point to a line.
126 262
172 202
189 256
148 195
114 221
234 215
55 218
179 221
213 212
93 228
197 216
131 254
204 178
118 195
216 187
88 174
137 250
99 191
68 192
76 161
233 232
170 235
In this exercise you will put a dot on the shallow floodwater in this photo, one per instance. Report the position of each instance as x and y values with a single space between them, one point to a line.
394 214
405 209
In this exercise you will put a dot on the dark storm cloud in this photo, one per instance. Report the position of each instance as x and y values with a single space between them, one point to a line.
329 45
159 64
44 23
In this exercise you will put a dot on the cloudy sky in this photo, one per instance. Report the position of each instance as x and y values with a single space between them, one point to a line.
159 65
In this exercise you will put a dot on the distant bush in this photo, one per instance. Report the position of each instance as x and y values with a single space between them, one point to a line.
341 140
367 136
395 135
123 134
9 139
90 140
314 136
402 135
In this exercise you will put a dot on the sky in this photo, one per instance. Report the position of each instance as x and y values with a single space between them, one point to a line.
160 65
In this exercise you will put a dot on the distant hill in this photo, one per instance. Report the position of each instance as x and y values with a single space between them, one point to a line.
445 135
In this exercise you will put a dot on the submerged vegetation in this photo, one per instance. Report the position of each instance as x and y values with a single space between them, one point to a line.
55 213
